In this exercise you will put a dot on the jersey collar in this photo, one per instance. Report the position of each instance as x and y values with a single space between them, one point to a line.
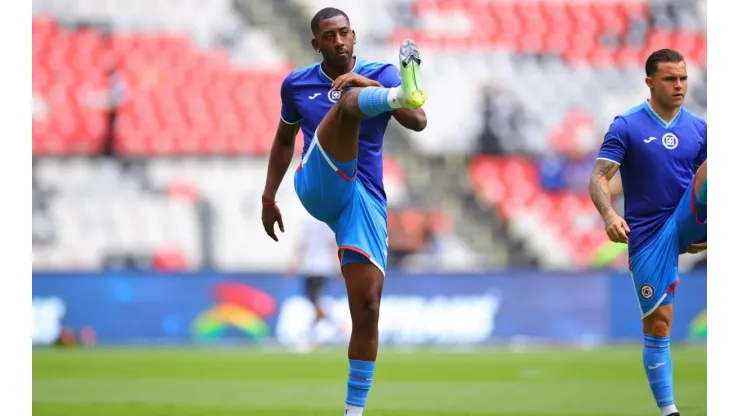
659 120
327 79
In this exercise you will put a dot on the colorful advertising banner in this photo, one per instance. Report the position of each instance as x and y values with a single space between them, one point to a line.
146 308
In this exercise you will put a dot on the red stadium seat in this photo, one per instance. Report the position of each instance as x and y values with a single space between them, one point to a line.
180 99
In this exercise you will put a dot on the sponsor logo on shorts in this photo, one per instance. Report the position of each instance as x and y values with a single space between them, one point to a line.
647 291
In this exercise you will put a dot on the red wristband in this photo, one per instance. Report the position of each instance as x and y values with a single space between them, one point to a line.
268 203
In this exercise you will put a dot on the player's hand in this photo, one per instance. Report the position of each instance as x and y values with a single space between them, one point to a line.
616 228
356 80
696 248
271 215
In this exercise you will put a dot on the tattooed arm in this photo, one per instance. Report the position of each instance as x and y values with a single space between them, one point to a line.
598 188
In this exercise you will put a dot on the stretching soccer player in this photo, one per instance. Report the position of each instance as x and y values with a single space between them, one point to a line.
343 105
660 149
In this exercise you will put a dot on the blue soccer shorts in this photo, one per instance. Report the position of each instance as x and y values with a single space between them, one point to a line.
655 267
330 191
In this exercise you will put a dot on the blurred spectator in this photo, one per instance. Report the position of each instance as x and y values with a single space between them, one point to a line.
488 141
111 100
315 261
503 118
409 232
116 97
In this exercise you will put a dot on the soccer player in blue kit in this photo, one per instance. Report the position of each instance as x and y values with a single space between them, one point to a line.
660 150
343 105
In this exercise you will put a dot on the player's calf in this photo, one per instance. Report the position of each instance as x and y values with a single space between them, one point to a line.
364 285
656 357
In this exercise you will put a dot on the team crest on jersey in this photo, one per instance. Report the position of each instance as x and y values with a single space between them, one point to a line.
334 95
647 291
670 141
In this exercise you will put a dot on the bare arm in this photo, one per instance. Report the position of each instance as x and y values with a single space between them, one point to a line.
598 186
280 156
415 120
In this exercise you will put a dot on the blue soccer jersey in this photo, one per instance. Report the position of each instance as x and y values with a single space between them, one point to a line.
307 97
657 164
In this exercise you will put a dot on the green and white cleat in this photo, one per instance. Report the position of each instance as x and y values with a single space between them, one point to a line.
408 56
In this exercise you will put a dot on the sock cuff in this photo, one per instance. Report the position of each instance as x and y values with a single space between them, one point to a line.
660 342
359 365
373 101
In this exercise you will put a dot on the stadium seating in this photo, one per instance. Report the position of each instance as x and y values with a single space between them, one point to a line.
551 56
179 99
559 228
98 211
555 72
101 208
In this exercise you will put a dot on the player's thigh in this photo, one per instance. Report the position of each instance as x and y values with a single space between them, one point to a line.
362 231
339 130
655 270
659 322
324 186
364 284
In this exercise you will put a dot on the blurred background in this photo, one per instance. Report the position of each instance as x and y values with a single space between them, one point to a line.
152 122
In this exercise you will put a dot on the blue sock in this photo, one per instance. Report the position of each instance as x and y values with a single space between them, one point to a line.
373 101
656 356
359 381
703 192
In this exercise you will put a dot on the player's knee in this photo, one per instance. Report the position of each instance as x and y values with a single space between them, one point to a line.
348 101
702 171
657 324
367 313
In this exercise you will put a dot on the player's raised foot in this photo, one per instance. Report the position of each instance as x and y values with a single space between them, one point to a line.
410 65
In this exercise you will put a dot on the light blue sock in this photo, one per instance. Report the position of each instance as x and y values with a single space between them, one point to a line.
703 192
358 382
656 356
373 101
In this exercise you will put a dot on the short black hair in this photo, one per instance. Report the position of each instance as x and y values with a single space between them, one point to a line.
323 14
660 56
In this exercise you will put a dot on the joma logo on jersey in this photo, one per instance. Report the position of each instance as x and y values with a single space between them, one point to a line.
670 141
334 95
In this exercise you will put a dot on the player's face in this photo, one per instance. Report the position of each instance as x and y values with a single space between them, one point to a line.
335 40
669 83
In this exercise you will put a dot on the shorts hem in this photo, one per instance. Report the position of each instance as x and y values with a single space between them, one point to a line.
330 161
361 252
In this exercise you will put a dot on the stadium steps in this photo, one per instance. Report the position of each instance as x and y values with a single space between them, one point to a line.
494 234
436 183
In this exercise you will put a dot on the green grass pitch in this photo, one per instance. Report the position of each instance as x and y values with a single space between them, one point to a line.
250 382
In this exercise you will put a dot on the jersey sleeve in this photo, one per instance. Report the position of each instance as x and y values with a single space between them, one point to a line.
289 111
389 76
702 156
614 146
